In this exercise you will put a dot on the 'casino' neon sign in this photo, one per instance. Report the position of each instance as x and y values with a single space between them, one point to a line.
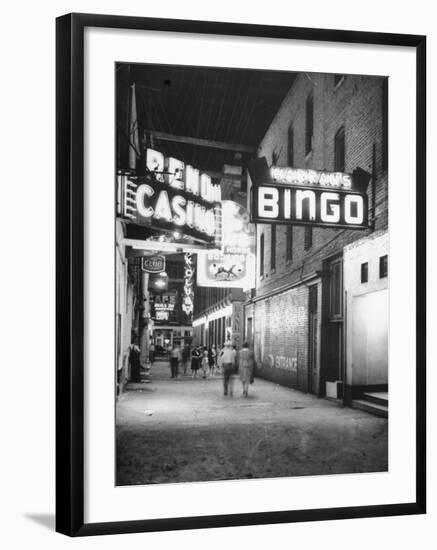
308 197
172 196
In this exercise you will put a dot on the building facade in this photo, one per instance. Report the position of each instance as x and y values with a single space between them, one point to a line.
127 313
312 301
218 316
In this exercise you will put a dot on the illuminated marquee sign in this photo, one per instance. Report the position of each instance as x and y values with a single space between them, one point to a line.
308 197
172 196
234 265
163 306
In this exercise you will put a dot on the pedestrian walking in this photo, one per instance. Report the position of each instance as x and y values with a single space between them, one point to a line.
227 361
175 358
186 357
212 357
195 362
205 361
246 364
152 353
134 360
218 367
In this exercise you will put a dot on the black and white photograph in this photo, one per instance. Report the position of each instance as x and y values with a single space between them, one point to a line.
252 267
218 268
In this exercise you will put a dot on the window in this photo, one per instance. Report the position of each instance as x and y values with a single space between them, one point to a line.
175 270
364 272
249 329
383 266
261 255
275 157
289 243
339 150
336 308
308 237
273 247
290 152
309 124
338 78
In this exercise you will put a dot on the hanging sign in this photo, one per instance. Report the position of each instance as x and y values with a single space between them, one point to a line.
171 196
308 197
153 264
188 298
234 265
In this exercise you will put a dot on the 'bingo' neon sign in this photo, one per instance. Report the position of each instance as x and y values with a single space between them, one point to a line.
308 197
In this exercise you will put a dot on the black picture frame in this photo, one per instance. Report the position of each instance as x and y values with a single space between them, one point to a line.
70 273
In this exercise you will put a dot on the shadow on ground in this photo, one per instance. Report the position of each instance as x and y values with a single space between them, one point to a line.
46 520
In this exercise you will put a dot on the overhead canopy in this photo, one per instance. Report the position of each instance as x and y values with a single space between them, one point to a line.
218 110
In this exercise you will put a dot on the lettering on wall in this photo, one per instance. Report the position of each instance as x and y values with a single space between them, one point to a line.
282 362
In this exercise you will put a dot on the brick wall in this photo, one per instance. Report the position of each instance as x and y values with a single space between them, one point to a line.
355 104
281 341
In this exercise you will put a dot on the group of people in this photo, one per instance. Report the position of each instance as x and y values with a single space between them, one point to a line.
204 359
210 361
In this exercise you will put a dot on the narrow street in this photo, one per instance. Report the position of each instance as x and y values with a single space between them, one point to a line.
184 430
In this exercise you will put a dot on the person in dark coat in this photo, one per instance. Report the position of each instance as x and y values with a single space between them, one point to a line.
195 362
186 357
134 360
212 354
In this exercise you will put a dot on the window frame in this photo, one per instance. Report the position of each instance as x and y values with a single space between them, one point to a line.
308 237
364 272
273 247
261 255
289 243
340 138
290 145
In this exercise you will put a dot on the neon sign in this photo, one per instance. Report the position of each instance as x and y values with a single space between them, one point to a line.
234 265
163 307
308 197
153 264
187 301
298 176
172 196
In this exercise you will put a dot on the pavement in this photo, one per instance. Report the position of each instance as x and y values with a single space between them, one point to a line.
184 430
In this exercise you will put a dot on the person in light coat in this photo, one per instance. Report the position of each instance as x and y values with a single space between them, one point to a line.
246 364
175 359
227 361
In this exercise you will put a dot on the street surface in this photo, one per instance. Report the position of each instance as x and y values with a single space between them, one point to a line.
181 430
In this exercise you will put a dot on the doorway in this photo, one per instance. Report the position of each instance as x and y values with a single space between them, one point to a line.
313 327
